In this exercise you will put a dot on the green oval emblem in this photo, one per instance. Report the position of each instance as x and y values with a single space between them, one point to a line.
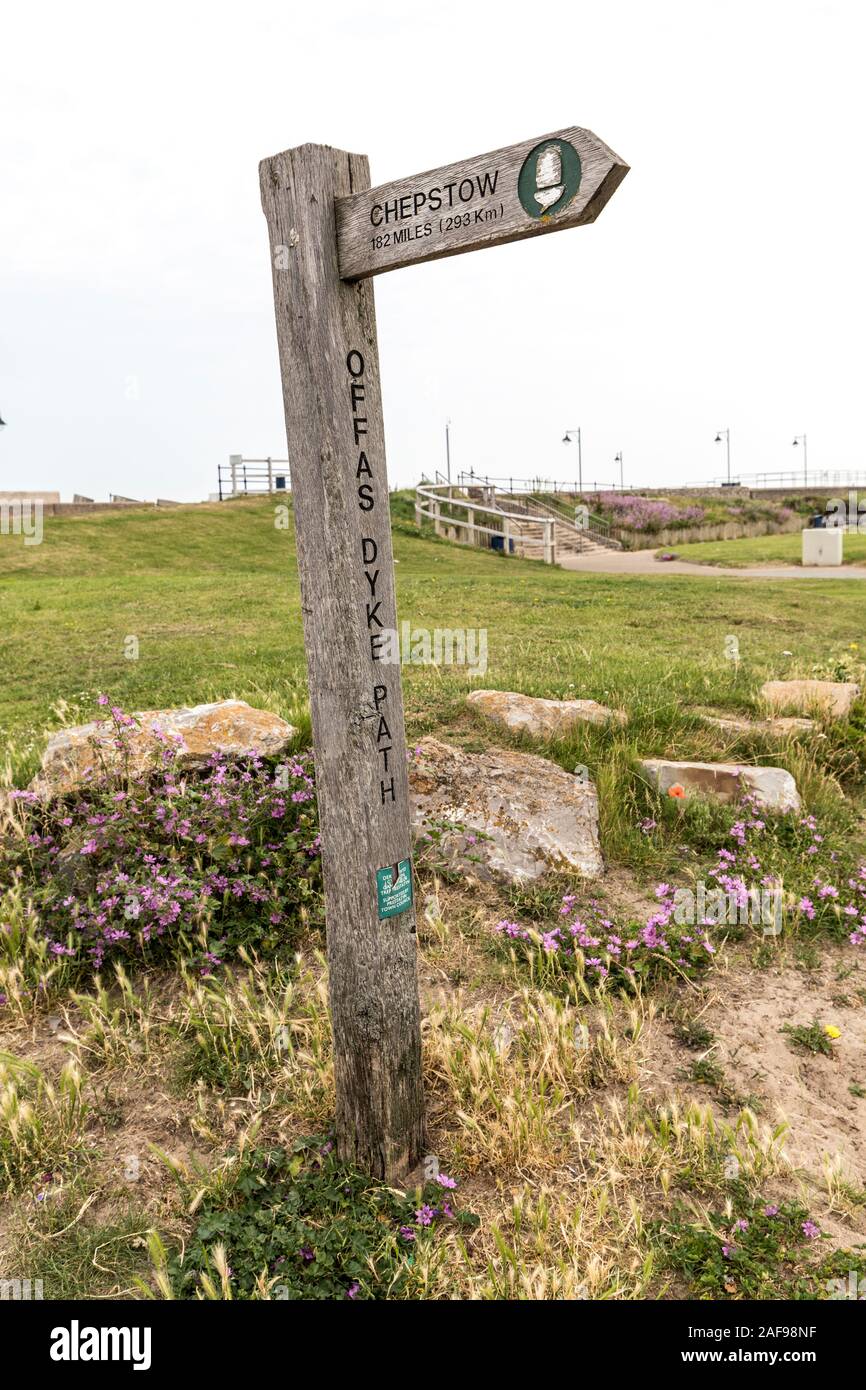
549 178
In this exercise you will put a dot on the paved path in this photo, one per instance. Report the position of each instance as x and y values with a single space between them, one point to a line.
644 562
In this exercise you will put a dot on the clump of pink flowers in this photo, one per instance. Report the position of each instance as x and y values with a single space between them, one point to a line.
816 898
221 857
646 513
591 938
430 1211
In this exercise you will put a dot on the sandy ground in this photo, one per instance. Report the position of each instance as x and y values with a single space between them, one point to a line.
644 562
820 1098
817 1095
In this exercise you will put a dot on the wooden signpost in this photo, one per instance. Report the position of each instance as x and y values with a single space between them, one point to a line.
330 231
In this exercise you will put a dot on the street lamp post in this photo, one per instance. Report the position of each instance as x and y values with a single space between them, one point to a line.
618 460
448 451
566 439
801 439
727 437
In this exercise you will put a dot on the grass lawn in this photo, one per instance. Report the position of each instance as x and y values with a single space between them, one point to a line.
591 1124
211 593
763 550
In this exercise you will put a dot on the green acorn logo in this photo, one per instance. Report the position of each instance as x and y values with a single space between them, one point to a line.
549 178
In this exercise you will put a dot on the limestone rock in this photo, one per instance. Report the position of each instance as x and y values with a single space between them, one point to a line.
527 714
777 727
832 698
525 814
230 727
774 788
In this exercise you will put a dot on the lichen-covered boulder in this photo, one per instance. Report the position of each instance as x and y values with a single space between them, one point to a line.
230 727
833 699
773 787
529 714
505 814
780 726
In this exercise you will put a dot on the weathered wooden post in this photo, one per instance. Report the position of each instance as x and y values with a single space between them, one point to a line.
329 232
330 368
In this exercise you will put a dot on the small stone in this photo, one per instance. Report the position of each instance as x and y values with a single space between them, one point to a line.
514 815
528 714
774 788
833 699
778 727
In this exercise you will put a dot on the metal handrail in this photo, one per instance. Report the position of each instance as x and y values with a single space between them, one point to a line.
597 527
243 476
433 494
512 524
794 478
533 484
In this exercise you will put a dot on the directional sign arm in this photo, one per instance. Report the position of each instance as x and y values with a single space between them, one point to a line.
541 185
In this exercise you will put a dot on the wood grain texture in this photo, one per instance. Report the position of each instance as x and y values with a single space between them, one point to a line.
471 205
373 977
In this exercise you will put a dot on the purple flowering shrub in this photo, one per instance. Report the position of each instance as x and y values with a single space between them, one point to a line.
753 1249
588 942
646 514
138 867
823 888
818 871
821 892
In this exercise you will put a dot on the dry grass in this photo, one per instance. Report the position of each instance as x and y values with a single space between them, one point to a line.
569 1125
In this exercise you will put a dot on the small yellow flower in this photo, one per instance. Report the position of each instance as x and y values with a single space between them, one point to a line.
855 647
832 1031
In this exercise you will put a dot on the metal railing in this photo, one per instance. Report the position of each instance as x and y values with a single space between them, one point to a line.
528 525
795 478
242 476
455 518
538 484
590 527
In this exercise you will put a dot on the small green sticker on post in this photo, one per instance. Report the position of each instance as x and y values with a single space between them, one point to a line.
394 891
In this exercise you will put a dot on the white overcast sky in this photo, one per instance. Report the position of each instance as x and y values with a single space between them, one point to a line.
723 285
